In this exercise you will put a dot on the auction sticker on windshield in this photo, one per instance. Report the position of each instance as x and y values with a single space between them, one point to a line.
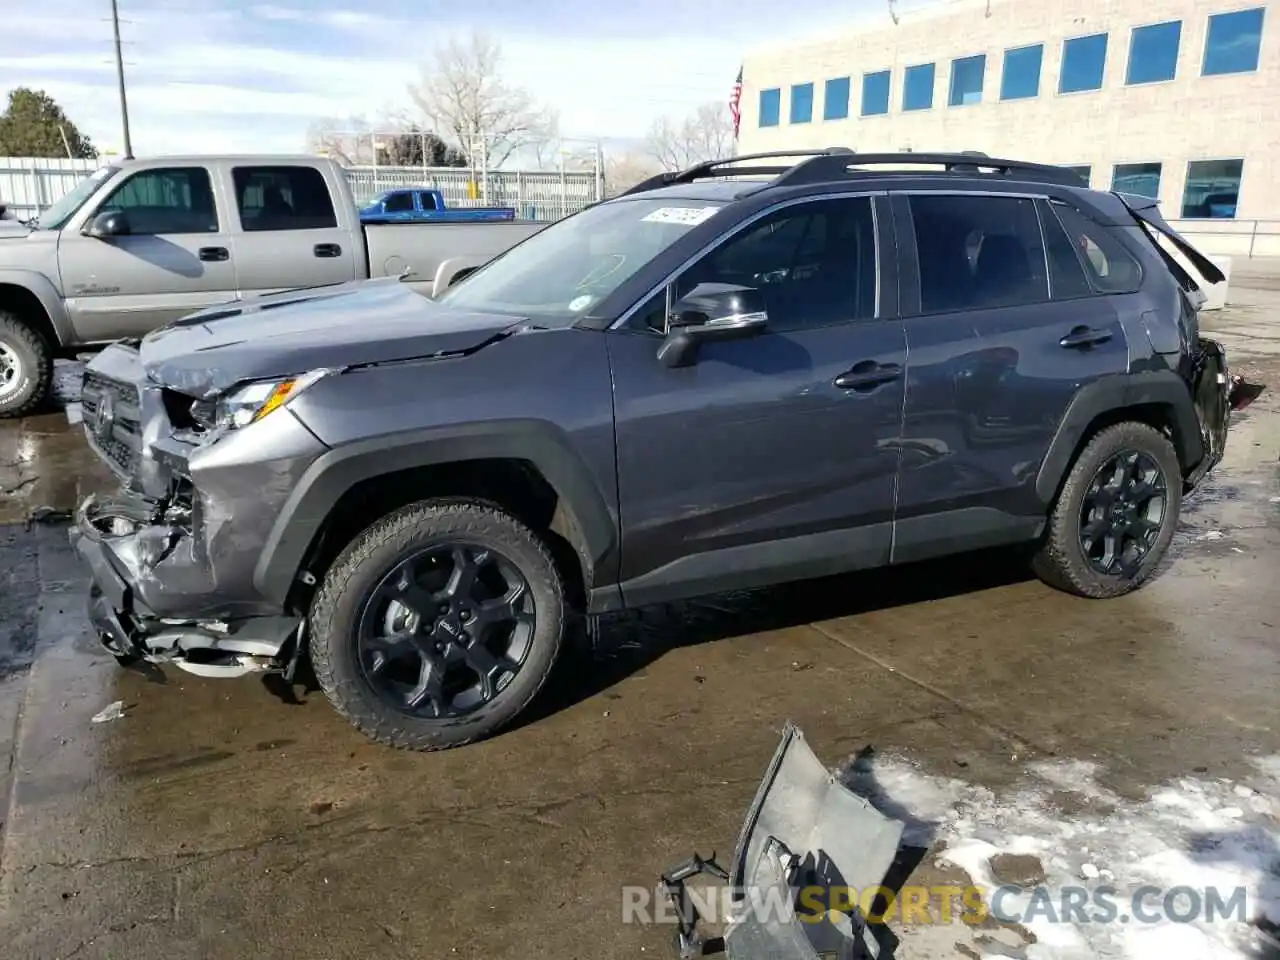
689 216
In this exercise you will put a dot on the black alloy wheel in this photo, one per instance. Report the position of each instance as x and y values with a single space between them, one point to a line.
446 630
1123 512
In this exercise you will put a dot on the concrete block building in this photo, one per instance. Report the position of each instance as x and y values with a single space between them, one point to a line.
1178 99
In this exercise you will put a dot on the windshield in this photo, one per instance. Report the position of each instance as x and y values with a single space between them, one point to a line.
564 270
56 216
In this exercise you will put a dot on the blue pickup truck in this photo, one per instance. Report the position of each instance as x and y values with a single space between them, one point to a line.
417 204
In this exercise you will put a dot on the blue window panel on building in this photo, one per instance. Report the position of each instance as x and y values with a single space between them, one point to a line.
917 87
967 75
1212 189
1153 52
1141 179
1083 172
1021 77
835 99
1233 42
801 102
1083 61
770 107
875 93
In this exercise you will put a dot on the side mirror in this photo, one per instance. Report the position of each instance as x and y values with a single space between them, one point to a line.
110 224
709 313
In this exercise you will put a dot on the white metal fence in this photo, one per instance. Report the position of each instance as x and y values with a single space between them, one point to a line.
28 186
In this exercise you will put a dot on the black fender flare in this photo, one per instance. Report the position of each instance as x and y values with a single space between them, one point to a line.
1163 387
591 526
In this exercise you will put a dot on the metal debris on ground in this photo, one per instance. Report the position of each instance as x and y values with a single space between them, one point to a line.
804 830
113 711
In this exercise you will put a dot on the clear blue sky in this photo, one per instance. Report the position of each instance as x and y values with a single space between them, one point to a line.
219 75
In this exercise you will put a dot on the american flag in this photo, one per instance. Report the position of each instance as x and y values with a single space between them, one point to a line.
735 103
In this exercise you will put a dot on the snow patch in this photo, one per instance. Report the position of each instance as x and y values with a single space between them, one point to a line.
1203 834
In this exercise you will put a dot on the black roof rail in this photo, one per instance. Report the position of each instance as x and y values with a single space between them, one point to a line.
712 168
827 167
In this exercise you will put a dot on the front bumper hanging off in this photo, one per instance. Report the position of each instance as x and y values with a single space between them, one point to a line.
122 540
806 839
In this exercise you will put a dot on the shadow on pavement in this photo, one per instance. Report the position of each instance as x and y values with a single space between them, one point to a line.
623 644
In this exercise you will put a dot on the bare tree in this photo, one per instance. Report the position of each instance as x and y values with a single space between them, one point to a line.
349 141
398 143
706 134
464 96
625 170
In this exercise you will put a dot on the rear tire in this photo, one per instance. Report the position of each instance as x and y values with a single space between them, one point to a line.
394 575
26 367
1122 498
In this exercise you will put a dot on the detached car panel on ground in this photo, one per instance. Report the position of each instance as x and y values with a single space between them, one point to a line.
702 385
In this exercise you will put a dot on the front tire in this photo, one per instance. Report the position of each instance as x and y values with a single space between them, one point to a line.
1117 512
26 367
437 625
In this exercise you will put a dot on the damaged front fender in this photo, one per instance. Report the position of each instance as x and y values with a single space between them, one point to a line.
807 839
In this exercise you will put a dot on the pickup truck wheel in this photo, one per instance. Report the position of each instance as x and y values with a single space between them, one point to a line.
437 625
26 367
1116 515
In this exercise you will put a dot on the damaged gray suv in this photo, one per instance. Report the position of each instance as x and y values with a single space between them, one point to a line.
749 372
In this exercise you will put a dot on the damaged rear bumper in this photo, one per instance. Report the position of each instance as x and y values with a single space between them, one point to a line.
1214 393
126 544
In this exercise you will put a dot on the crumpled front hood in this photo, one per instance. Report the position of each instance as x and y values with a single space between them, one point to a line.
284 334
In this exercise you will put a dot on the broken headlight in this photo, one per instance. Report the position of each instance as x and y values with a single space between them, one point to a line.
251 402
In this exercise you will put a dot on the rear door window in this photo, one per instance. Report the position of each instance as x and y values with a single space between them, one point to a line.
283 198
1067 279
1109 266
978 252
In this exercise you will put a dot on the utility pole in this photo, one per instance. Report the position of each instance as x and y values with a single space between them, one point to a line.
124 103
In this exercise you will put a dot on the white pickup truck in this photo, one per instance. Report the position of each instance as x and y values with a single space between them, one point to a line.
139 243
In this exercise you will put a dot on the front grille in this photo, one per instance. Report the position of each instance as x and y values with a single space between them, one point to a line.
112 419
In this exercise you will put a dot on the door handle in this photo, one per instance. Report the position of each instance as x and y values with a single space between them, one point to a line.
1083 336
213 254
868 375
327 250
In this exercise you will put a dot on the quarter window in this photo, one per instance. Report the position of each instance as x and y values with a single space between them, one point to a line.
1110 267
815 263
1233 42
1153 52
171 200
1212 189
978 252
283 198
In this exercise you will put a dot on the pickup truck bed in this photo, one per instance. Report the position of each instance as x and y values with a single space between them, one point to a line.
140 243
